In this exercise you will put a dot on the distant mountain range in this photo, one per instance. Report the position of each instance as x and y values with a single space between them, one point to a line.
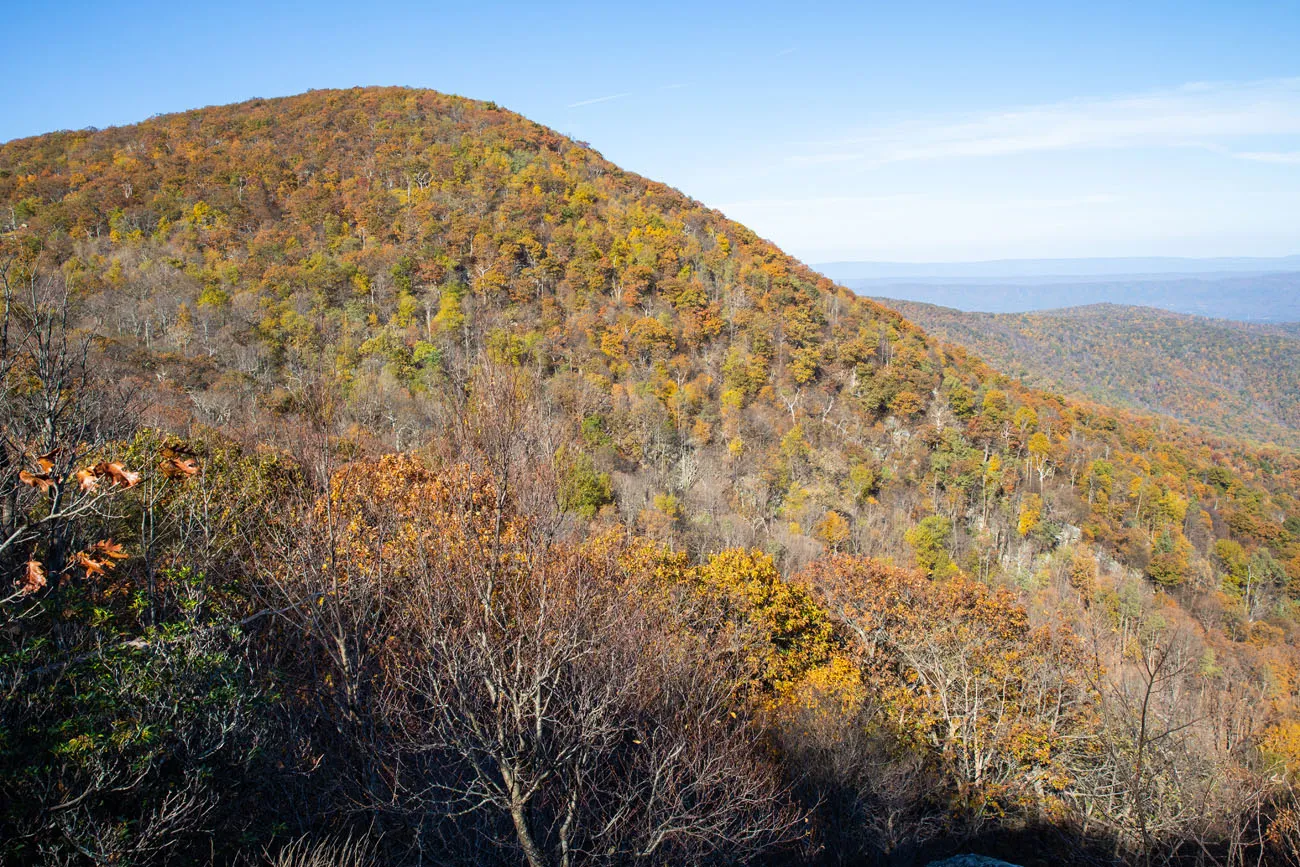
1247 290
1231 377
1002 269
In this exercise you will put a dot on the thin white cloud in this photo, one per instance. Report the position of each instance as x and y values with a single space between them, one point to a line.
843 204
956 225
1194 115
817 201
1282 157
785 51
597 99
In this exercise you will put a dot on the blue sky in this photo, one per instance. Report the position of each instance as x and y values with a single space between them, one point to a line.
887 131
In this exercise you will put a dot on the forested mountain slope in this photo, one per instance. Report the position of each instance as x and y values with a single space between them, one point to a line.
1233 378
402 463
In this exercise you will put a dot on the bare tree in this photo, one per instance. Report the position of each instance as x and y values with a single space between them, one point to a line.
575 716
516 689
53 414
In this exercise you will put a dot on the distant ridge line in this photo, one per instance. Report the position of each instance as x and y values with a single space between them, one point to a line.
1058 268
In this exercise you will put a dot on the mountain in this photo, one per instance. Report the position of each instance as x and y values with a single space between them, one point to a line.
1059 269
1265 297
1230 377
384 471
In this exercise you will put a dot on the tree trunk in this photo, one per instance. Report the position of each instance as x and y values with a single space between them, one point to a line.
526 842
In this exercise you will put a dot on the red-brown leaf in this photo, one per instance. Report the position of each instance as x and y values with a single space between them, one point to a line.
109 548
179 468
36 480
33 578
91 565
118 474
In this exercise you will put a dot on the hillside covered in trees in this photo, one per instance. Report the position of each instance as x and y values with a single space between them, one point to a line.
1233 378
389 479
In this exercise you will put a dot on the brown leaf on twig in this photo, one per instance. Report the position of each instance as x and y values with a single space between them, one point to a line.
37 480
91 565
46 461
109 548
179 468
33 578
116 473
87 480
102 556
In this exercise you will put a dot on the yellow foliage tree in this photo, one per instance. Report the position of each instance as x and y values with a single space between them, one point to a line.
833 529
1031 512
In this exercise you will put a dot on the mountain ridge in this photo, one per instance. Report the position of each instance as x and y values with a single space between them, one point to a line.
798 310
1122 266
1242 373
401 393
1265 297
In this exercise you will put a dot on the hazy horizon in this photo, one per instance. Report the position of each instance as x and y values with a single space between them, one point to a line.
1070 266
1263 297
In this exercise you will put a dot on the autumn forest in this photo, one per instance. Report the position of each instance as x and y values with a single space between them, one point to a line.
388 479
